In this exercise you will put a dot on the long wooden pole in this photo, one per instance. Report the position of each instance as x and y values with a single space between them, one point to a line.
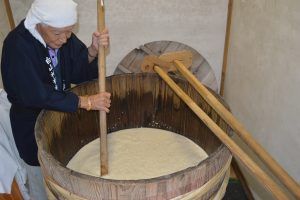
9 14
234 148
280 173
226 45
102 75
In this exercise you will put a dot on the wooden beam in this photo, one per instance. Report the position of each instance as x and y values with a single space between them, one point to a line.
9 14
226 46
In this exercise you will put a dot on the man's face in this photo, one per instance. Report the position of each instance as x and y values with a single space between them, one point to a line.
55 37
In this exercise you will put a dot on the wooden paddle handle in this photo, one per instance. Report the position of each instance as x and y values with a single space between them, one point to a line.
238 128
102 75
234 148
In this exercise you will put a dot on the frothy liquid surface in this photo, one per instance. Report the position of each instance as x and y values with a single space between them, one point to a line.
139 153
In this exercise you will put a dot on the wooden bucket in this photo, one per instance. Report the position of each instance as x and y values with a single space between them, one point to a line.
138 100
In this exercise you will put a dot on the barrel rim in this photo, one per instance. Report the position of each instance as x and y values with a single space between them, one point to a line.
58 164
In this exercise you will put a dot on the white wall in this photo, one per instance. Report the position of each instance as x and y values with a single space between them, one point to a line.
198 23
263 77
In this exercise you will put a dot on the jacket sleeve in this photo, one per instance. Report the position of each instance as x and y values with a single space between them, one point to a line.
26 81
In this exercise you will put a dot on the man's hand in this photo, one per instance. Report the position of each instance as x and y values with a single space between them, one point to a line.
100 101
98 39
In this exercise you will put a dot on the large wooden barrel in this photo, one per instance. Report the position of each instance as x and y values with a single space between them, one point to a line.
138 100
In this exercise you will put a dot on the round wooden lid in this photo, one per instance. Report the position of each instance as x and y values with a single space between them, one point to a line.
133 61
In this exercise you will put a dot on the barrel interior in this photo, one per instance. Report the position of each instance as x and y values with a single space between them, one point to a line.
141 100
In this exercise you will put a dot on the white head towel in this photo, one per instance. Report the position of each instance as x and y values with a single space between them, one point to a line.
55 13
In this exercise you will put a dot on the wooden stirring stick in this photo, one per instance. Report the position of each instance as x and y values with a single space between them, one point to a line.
102 75
238 128
233 147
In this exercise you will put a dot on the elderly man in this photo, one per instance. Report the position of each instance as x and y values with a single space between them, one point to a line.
41 58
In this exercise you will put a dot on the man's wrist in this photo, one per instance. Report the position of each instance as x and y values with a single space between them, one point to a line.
85 102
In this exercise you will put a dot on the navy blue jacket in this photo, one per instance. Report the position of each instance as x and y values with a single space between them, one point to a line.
30 88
